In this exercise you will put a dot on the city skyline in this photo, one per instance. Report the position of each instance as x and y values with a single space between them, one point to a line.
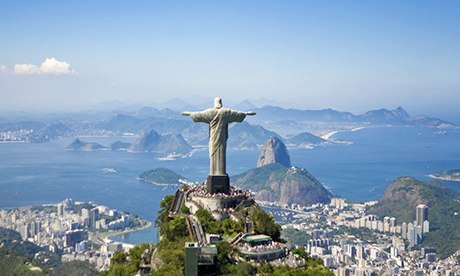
351 56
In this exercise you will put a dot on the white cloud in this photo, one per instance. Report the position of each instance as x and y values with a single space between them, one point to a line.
26 69
2 68
49 66
54 66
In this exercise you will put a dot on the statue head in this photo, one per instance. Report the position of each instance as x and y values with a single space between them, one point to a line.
217 102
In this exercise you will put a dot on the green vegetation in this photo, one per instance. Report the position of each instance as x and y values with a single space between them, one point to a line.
170 250
174 234
18 257
75 268
123 263
277 183
15 264
160 176
264 223
405 193
295 237
76 208
364 234
226 227
313 267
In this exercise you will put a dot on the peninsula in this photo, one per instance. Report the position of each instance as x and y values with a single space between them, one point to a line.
452 175
74 230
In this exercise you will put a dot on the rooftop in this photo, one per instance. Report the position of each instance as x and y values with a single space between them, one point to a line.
256 238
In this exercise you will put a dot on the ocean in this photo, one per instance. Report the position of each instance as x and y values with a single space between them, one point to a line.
33 174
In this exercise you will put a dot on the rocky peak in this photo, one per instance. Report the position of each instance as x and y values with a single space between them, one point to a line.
146 143
274 151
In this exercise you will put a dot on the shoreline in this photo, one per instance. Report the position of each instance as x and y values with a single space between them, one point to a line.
160 184
102 236
328 135
443 178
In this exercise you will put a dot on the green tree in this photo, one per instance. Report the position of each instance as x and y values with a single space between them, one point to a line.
75 268
125 264
264 223
165 205
208 222
177 227
229 227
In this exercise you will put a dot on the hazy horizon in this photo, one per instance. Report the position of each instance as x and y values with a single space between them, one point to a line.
350 56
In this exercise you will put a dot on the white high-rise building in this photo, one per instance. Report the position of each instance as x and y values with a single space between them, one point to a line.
426 226
25 232
404 230
411 235
60 209
419 233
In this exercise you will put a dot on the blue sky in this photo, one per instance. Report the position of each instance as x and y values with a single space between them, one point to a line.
348 55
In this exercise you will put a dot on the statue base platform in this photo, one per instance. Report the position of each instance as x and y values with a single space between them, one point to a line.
218 184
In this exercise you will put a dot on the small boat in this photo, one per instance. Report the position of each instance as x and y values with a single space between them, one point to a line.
171 156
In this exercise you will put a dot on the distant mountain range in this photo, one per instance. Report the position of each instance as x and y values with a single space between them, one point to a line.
167 144
382 116
121 123
246 136
294 125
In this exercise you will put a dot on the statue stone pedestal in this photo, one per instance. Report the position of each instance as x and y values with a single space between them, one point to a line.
218 184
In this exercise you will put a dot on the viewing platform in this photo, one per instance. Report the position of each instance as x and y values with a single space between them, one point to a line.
260 248
220 205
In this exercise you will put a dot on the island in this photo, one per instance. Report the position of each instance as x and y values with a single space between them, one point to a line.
170 145
452 175
79 145
163 177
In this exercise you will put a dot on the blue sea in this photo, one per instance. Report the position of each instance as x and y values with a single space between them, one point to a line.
33 174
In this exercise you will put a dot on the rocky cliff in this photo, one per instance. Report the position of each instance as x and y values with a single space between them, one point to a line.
148 142
274 151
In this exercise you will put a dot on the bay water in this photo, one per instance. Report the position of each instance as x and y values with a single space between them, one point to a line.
34 174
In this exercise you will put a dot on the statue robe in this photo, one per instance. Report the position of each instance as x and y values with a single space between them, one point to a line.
218 120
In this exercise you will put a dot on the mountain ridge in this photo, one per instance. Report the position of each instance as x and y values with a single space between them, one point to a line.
405 193
277 183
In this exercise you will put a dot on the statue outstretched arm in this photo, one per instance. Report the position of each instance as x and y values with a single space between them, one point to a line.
204 116
250 113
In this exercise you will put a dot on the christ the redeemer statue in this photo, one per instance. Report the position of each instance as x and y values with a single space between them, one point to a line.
218 119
